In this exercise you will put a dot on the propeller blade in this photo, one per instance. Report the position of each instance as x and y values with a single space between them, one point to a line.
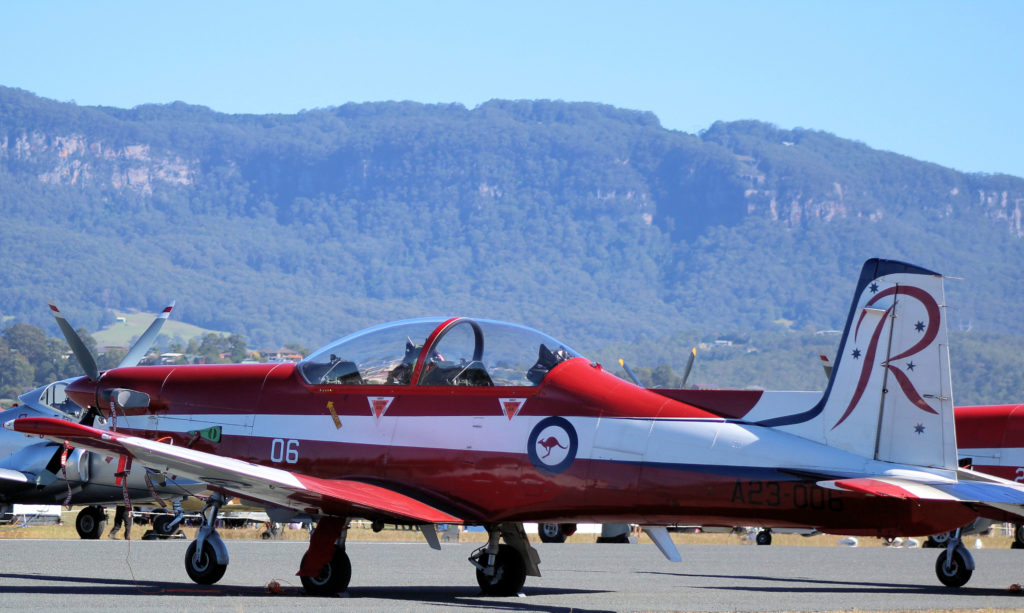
141 346
826 364
85 359
629 371
689 365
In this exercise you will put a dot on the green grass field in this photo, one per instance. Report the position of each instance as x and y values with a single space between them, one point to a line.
120 334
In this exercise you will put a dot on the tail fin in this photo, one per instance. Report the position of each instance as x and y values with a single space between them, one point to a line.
889 396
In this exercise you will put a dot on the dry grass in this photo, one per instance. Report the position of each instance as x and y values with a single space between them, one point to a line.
360 531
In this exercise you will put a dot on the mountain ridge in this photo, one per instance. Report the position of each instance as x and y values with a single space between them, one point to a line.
584 220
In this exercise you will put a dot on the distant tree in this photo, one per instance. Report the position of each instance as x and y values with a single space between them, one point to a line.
209 349
29 341
16 373
663 376
111 358
235 347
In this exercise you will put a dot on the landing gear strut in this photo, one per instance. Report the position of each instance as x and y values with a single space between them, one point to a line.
955 565
207 557
501 569
165 525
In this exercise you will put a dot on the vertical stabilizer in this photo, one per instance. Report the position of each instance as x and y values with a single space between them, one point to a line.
890 395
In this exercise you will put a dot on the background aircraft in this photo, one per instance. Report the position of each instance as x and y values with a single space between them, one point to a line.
44 472
378 426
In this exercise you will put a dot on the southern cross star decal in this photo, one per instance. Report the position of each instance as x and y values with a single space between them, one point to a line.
911 365
919 326
919 428
874 288
856 354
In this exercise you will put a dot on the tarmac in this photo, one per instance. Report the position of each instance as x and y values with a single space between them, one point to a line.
149 575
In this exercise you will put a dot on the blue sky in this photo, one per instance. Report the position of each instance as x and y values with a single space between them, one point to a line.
938 81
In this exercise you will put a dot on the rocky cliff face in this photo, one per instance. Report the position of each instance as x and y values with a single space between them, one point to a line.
73 160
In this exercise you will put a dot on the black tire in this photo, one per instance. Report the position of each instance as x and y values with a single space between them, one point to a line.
162 524
509 573
333 578
207 571
957 574
91 522
764 537
1018 535
550 533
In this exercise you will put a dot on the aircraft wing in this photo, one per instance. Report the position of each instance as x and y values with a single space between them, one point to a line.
10 477
266 484
969 487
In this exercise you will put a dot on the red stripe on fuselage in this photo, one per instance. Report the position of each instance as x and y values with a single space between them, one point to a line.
732 404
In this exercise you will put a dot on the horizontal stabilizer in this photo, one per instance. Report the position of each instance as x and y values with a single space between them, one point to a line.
969 487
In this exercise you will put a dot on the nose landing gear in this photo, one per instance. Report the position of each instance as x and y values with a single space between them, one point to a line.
501 569
207 557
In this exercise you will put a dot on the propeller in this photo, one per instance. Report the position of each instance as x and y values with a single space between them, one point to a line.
135 353
689 366
826 364
123 398
629 371
686 371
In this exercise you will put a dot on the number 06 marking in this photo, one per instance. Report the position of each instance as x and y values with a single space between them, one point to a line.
286 451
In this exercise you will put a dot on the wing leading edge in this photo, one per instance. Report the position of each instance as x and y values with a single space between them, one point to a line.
275 486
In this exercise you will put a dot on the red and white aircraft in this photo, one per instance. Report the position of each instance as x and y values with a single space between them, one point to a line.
462 420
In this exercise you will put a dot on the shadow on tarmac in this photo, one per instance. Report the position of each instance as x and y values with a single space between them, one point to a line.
454 597
828 585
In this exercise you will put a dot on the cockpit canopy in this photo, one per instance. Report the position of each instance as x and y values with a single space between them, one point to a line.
436 351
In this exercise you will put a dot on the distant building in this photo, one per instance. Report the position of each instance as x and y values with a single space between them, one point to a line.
280 355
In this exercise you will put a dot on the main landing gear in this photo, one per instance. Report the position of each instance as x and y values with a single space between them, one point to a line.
325 569
90 522
501 569
955 565
207 557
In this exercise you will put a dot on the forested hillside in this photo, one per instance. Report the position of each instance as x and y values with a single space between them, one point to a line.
592 223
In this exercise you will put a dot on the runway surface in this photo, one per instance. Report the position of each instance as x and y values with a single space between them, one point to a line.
144 575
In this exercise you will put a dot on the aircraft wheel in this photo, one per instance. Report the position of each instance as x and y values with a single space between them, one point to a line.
1018 536
938 540
333 578
91 522
550 533
509 573
207 571
162 524
764 537
956 574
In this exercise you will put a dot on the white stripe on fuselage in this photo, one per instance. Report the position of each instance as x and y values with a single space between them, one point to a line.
995 456
693 442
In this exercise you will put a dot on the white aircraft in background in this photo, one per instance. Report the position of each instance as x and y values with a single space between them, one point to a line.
44 472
